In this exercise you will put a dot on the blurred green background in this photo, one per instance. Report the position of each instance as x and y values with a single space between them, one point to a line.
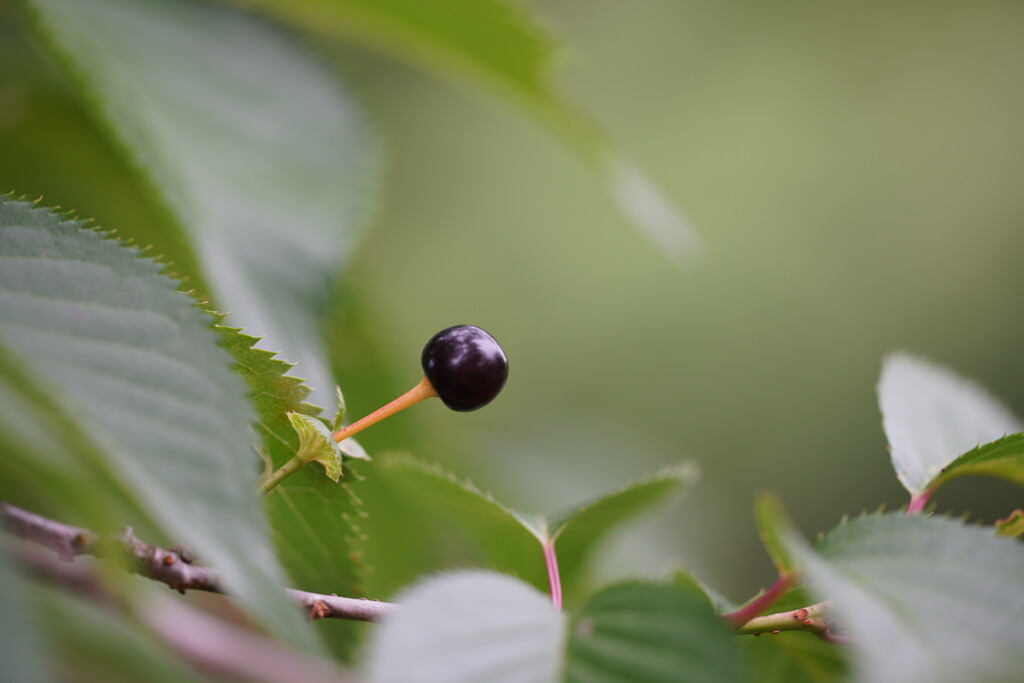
854 169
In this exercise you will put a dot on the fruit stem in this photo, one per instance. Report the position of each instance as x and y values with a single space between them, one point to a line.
419 392
551 560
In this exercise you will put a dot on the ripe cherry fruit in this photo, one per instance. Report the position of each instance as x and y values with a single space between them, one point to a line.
462 365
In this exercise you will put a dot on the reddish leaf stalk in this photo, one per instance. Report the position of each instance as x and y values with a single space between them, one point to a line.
551 560
760 603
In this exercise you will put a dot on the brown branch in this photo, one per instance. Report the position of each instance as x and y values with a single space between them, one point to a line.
172 567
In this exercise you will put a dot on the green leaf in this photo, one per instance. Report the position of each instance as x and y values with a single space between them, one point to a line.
923 598
22 654
496 45
316 444
637 631
314 521
258 152
931 416
469 627
509 540
1003 459
577 530
772 520
135 366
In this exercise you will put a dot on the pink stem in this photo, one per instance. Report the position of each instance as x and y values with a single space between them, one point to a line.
760 603
919 502
553 579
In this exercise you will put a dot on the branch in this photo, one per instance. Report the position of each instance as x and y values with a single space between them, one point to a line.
172 567
810 619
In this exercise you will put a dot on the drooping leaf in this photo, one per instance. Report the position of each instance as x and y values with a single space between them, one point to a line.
314 521
1003 459
258 152
931 416
576 531
510 542
23 656
468 627
316 444
645 632
923 598
498 46
134 365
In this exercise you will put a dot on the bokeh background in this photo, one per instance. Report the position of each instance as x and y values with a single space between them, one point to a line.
855 171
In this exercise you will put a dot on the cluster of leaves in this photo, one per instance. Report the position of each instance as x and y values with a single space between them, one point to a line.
123 401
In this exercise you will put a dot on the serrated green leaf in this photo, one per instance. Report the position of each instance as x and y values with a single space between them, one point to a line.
134 364
772 521
931 416
316 444
1003 459
1011 526
496 45
469 627
637 631
576 531
258 152
339 414
923 598
510 541
22 653
314 521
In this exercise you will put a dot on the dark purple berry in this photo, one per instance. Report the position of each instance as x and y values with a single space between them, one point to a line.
466 367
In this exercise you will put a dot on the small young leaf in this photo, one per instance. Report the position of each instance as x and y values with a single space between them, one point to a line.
469 627
339 414
772 520
1011 526
638 631
257 151
931 416
135 366
923 599
316 444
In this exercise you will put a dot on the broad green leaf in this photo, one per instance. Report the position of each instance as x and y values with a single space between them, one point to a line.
1012 525
771 520
257 151
135 366
636 632
314 521
316 444
923 598
509 540
496 45
931 416
577 530
469 627
1003 459
23 656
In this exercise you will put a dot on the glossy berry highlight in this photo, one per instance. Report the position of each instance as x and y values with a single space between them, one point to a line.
466 367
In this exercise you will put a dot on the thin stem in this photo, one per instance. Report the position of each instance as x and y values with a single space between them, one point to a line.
419 392
551 560
266 485
762 602
804 619
919 501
